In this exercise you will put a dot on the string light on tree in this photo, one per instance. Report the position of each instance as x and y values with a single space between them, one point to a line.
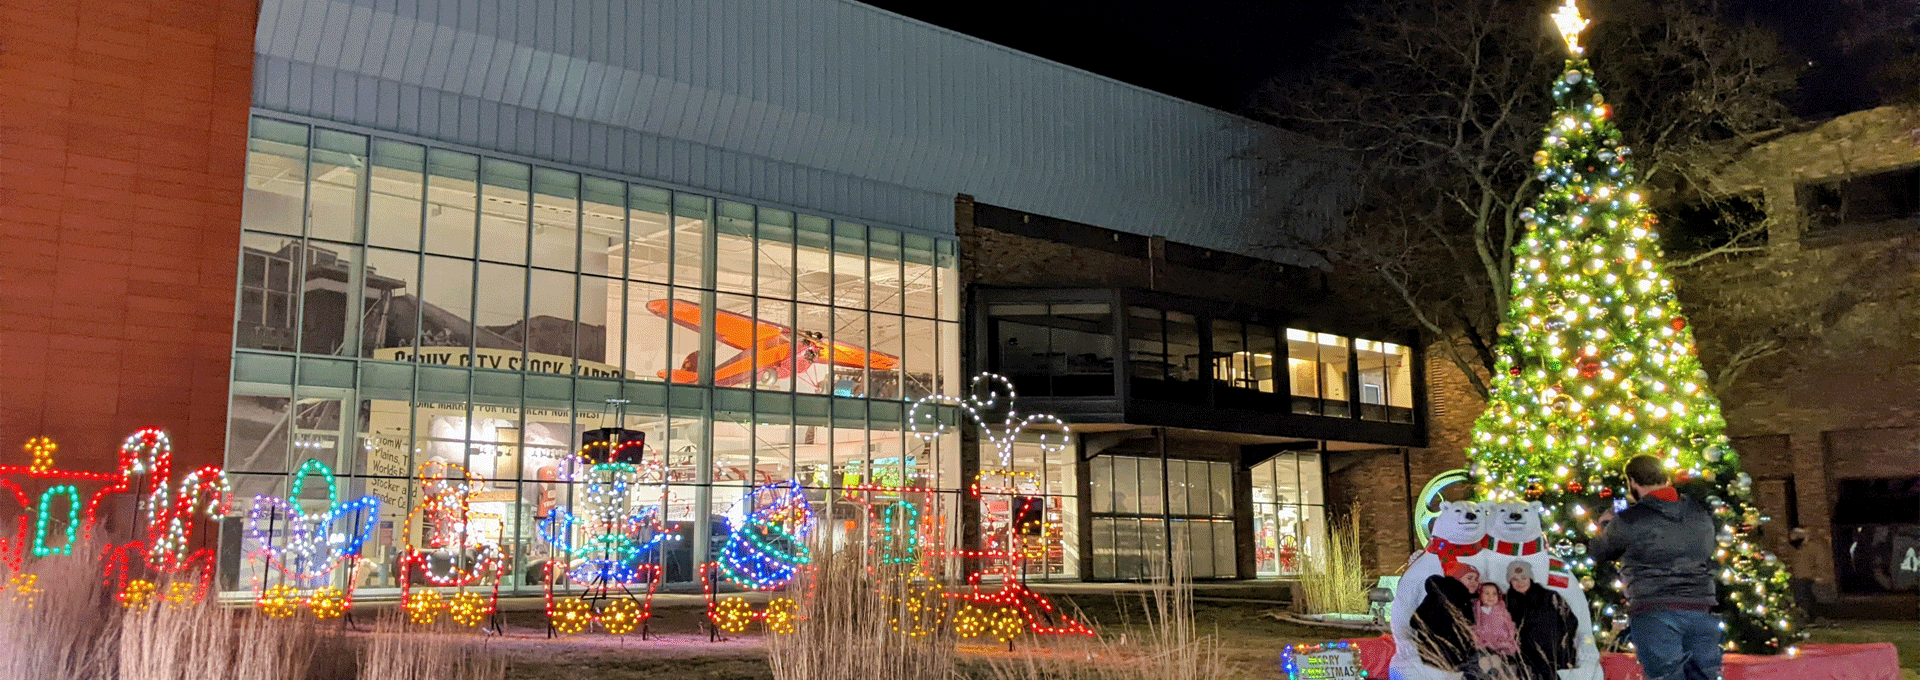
1597 365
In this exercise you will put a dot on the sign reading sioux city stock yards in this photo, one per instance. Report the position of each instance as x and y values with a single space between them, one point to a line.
501 360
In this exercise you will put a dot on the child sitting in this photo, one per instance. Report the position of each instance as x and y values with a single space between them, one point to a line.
1494 633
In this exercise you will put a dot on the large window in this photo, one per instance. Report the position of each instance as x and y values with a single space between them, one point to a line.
1289 514
1317 369
1033 505
1057 349
461 260
1876 535
403 308
1139 505
1386 380
1867 199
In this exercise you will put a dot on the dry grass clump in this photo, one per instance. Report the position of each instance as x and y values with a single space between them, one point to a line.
62 626
846 624
1335 581
1165 645
65 626
396 652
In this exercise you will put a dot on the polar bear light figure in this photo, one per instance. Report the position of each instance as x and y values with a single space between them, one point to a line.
1514 533
1460 523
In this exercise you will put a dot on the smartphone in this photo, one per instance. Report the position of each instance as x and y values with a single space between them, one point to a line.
1619 505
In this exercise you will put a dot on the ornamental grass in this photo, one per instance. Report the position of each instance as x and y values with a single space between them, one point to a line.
1335 581
863 621
1164 645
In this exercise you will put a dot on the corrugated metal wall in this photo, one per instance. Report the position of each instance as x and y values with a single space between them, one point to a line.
824 105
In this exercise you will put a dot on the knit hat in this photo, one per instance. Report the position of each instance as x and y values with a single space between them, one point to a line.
1520 568
1459 569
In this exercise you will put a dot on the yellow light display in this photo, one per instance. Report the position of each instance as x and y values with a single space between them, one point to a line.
470 609
423 606
138 595
570 616
327 603
180 593
732 615
280 601
780 615
622 615
25 589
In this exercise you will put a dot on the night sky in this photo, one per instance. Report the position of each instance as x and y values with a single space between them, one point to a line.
1219 52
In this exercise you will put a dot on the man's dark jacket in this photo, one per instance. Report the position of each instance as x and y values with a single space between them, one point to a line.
1665 548
1547 632
1443 624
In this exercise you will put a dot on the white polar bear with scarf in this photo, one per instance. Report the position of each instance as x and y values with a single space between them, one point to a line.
1514 533
1458 533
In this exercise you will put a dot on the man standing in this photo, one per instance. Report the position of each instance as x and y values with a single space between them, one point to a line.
1665 545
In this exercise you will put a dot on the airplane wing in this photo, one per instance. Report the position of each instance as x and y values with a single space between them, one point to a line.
734 330
855 356
774 342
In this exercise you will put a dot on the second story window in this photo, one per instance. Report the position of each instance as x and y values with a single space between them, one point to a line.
1057 349
1867 199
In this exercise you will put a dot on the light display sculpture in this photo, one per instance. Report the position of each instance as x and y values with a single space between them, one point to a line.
904 527
765 550
450 554
161 548
608 545
1000 612
308 558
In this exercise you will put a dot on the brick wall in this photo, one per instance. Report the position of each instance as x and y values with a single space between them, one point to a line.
997 258
123 131
1380 486
1372 487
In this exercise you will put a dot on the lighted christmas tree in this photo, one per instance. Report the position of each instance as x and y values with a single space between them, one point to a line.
1597 365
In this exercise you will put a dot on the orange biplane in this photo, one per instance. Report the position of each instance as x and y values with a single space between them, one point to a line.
766 349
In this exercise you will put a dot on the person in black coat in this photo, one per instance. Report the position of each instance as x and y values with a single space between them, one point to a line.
1443 621
1547 625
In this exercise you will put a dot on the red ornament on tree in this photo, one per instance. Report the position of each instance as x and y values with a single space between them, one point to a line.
1606 492
1679 323
1589 368
1575 487
1515 371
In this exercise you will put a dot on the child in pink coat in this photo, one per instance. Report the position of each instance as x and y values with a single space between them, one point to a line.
1493 629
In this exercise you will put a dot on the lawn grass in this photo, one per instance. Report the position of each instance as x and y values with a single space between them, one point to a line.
1905 636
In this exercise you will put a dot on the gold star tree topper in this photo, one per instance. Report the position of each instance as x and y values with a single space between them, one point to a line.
1568 18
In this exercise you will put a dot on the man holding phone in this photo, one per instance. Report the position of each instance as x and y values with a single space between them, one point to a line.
1665 545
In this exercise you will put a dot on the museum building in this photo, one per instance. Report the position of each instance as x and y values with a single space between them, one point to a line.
753 234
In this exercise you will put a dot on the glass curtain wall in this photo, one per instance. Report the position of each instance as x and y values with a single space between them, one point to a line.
1289 513
1139 505
1043 510
403 307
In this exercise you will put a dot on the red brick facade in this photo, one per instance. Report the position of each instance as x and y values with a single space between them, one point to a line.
123 133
